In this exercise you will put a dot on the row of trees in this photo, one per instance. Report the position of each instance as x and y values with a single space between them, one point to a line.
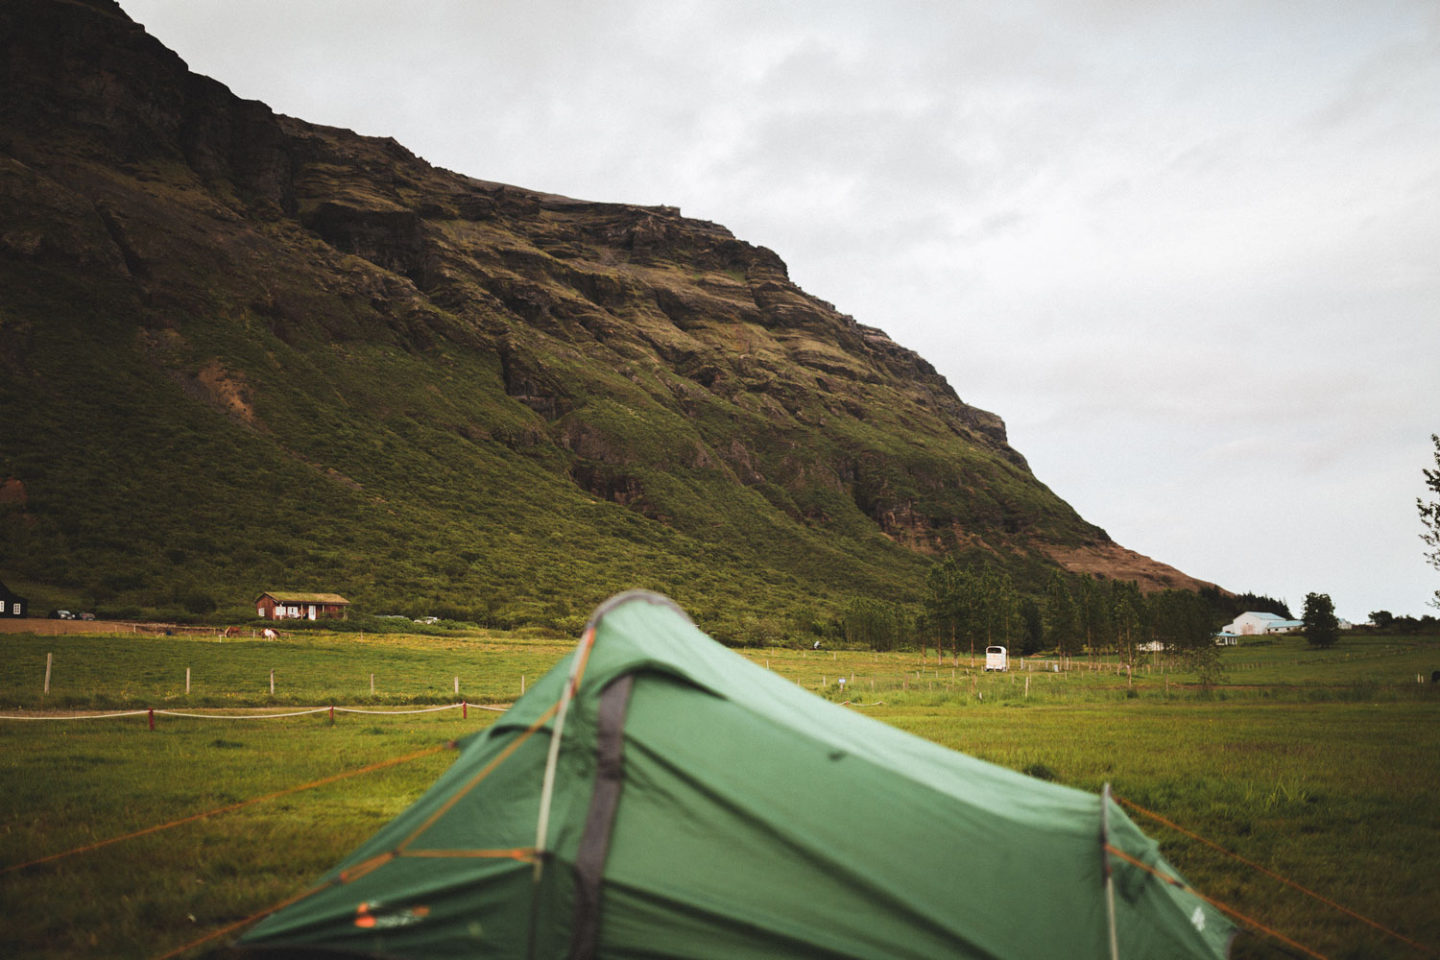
972 607
969 607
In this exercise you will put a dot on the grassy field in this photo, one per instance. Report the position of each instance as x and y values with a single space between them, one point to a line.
1322 766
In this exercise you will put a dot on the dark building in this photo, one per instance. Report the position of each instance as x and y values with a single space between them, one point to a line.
12 604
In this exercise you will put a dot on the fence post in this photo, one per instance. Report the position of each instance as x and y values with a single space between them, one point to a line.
372 684
151 718
49 657
187 681
457 686
464 710
272 681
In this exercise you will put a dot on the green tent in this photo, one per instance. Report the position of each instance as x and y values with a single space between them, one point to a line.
657 795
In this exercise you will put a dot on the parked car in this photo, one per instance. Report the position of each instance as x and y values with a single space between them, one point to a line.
61 615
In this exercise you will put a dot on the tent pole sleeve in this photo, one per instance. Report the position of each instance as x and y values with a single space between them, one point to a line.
595 839
1109 873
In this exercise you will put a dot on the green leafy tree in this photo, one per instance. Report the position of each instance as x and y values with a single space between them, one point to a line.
1092 610
1382 619
1181 620
997 605
1060 614
876 624
1126 604
1204 660
1430 515
946 611
1032 627
979 606
1322 629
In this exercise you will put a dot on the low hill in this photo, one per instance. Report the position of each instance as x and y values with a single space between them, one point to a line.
239 352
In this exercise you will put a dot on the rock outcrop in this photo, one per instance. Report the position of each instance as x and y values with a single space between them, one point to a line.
334 294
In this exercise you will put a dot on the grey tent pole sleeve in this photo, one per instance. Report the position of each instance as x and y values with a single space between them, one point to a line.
599 821
1109 873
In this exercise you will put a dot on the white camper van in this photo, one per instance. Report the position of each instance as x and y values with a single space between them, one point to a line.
996 658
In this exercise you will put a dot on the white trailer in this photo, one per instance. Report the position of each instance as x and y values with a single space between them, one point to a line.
996 658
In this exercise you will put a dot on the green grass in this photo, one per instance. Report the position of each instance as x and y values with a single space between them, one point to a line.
1320 765
145 671
70 786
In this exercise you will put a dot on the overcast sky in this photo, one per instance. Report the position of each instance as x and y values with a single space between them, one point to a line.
1189 251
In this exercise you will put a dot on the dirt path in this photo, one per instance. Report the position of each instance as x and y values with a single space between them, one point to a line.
47 627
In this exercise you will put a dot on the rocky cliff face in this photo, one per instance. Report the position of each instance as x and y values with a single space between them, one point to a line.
316 291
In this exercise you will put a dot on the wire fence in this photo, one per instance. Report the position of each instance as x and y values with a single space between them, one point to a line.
151 713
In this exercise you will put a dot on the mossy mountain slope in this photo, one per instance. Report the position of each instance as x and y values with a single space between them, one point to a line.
239 351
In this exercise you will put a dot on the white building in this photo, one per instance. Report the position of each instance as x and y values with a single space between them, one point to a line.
1256 623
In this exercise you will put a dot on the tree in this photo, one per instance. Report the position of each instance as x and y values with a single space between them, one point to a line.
1430 515
1321 627
945 608
1126 604
1383 619
1032 627
1092 611
875 624
1060 614
1181 620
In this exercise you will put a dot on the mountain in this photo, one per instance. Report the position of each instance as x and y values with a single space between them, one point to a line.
239 351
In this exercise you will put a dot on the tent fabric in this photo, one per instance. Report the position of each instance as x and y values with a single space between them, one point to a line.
697 805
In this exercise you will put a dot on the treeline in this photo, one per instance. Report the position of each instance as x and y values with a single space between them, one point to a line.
1387 622
967 608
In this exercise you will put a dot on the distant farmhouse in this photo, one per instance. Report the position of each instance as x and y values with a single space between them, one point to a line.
12 604
300 606
1255 623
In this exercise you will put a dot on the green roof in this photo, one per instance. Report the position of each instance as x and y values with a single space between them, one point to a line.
286 596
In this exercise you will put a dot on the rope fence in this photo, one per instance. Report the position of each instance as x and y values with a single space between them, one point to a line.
334 778
463 706
51 664
1269 873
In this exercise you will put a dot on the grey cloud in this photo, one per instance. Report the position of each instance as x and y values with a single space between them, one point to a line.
1150 236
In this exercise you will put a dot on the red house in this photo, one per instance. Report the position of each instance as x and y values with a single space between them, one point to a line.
288 605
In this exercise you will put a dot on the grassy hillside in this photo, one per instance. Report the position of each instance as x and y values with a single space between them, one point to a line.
242 352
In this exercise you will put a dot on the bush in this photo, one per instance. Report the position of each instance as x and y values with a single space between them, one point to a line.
198 602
